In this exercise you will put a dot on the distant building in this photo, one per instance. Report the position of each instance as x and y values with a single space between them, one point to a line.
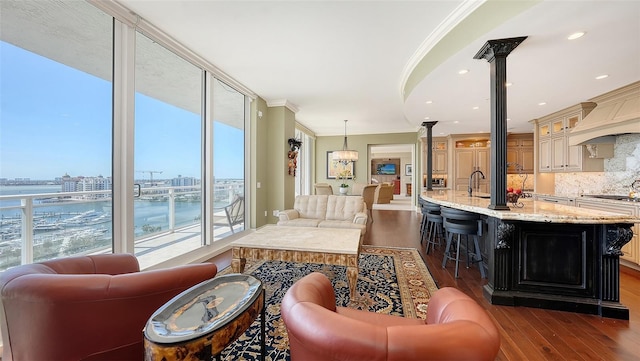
184 181
85 184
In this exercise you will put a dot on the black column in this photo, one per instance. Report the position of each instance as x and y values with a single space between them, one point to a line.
429 126
495 52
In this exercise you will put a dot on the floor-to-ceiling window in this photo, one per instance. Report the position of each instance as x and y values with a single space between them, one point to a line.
59 161
229 110
55 130
168 149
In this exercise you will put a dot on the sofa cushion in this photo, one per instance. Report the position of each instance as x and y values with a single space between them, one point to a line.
300 222
344 208
324 211
314 206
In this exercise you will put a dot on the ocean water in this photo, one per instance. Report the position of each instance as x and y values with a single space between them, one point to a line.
34 189
151 214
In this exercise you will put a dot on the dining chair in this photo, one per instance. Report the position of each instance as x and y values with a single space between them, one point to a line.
323 189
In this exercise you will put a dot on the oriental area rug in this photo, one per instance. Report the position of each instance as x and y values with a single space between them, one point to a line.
392 281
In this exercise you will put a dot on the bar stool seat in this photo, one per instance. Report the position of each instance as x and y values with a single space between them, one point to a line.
459 222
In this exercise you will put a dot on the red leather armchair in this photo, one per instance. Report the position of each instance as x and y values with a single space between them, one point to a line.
456 328
86 308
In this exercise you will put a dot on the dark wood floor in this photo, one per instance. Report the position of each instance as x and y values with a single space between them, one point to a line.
527 333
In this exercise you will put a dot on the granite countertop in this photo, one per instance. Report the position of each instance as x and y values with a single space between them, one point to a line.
592 197
532 211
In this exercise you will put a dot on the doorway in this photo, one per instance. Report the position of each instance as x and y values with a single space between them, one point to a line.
392 163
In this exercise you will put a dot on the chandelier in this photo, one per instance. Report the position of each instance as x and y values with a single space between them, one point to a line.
345 155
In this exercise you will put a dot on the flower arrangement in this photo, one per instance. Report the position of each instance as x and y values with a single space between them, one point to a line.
343 176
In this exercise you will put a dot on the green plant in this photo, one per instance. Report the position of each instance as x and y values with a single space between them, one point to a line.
343 176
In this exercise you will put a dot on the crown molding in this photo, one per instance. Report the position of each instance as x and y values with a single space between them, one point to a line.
282 103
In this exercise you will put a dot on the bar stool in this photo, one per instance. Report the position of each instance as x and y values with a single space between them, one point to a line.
458 222
434 225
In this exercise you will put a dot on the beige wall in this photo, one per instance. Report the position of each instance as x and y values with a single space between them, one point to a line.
360 143
269 162
280 185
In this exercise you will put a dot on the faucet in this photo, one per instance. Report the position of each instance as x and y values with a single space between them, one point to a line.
470 190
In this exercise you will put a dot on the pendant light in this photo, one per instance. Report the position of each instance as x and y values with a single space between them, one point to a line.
345 155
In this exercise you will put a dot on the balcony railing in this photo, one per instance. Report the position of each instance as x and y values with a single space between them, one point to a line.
167 221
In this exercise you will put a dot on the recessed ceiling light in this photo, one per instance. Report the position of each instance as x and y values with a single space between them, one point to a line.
463 71
602 76
455 122
429 102
542 103
508 84
476 108
508 119
576 35
427 118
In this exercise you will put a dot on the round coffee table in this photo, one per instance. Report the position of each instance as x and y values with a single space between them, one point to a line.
200 322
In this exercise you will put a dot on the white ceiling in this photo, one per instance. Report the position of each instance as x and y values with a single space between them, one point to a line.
336 60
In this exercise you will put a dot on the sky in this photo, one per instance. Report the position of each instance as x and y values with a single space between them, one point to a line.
56 120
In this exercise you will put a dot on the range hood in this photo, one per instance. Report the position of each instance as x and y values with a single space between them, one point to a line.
617 112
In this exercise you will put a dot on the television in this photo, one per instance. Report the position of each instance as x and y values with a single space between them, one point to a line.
386 169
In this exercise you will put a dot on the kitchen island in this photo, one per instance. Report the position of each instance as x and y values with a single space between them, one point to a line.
548 255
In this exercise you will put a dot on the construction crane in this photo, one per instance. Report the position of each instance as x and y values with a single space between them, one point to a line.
151 173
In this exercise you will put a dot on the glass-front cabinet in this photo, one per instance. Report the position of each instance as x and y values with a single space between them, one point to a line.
554 152
439 161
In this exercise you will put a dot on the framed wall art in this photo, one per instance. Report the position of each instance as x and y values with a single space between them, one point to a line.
336 169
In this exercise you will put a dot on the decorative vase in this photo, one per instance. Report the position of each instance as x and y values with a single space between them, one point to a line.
343 190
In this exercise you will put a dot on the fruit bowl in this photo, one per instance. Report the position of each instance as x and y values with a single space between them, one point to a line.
512 197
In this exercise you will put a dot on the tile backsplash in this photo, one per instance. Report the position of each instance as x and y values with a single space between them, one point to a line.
619 172
523 181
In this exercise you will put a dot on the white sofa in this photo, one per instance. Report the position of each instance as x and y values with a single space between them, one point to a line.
328 211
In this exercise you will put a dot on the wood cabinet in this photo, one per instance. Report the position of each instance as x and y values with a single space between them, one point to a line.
632 249
565 157
439 158
469 156
440 162
544 155
520 152
554 152
438 155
